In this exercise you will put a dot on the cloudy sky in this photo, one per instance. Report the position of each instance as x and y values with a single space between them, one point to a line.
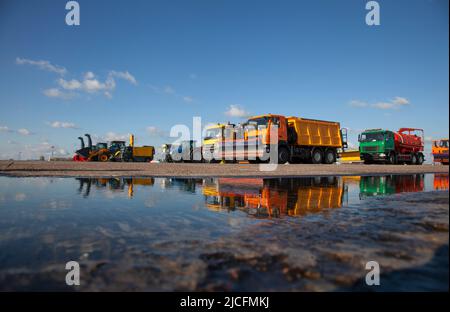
143 66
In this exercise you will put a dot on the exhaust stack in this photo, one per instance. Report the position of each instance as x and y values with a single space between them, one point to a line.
89 140
82 142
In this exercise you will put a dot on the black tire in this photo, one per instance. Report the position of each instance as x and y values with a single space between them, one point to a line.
283 155
330 157
392 158
295 161
316 156
367 162
420 159
413 159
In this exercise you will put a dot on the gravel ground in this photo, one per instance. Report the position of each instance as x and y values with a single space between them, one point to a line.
110 169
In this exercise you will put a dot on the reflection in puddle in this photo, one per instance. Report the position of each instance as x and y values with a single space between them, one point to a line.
200 234
273 197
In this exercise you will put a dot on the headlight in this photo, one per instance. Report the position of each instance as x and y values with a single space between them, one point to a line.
382 155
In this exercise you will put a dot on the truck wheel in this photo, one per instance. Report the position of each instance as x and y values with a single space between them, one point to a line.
392 158
283 155
420 159
317 156
103 157
330 157
413 159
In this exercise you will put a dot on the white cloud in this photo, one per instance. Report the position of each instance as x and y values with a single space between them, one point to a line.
112 136
188 99
62 124
396 103
21 131
69 85
236 111
89 75
5 129
44 65
400 101
34 151
124 75
24 131
155 132
56 93
357 103
90 84
384 105
169 90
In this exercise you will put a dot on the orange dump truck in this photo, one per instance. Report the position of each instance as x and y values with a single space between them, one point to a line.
298 140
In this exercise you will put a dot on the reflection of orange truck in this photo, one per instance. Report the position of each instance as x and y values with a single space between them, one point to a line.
440 181
271 198
299 140
439 149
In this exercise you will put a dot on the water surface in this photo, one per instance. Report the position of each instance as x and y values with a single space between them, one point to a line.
224 233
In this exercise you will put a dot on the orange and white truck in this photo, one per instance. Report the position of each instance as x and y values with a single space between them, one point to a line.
297 140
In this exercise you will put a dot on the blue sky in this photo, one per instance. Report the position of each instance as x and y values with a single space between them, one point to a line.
143 66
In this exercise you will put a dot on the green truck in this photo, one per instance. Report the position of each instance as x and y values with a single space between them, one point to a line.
392 147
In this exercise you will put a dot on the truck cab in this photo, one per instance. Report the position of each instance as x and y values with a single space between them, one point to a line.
262 126
214 134
376 145
439 149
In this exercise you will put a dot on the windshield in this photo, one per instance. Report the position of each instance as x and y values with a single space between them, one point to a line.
213 133
443 144
259 121
372 137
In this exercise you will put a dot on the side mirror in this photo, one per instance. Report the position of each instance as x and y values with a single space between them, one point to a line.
359 137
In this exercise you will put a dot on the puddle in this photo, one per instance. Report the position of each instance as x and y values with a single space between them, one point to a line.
224 233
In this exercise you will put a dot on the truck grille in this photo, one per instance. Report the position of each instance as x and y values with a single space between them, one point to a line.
371 148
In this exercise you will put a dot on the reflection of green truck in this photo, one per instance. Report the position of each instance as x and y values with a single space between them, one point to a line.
391 184
376 185
403 146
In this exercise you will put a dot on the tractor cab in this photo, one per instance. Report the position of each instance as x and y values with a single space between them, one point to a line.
101 145
117 146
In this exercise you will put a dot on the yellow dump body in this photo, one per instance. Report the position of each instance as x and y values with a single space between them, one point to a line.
312 132
314 199
143 151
